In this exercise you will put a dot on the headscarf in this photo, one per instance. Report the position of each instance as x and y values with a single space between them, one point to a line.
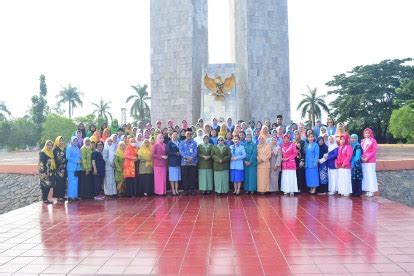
111 148
346 138
199 138
274 148
322 149
356 141
334 145
145 153
119 152
49 154
114 126
57 144
223 131
98 136
262 132
320 131
371 133
139 139
284 136
105 135
84 144
94 138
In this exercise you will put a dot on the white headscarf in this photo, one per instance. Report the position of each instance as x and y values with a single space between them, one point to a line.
332 146
111 148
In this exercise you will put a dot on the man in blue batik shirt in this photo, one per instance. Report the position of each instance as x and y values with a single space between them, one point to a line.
188 152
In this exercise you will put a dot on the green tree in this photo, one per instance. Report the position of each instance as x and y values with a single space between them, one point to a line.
140 109
3 111
366 96
312 105
102 110
5 128
39 108
402 122
55 126
71 96
20 135
86 120
405 93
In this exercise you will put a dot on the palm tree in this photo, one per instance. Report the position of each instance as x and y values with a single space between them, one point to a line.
139 109
70 95
3 111
101 110
312 105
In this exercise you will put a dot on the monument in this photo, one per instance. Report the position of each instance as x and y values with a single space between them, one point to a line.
179 61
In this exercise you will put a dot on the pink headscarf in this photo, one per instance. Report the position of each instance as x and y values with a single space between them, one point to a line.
371 133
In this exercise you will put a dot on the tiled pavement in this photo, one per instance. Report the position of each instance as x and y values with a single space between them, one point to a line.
195 235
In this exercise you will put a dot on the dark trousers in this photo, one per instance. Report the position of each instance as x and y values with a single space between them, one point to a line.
357 187
130 186
45 192
189 177
98 183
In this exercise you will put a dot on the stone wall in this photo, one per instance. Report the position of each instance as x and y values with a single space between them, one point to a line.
397 185
18 190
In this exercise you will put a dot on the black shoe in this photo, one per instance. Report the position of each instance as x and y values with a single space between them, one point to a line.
47 202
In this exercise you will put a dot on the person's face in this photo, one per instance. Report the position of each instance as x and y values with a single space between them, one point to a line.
79 134
309 132
300 128
242 136
213 133
184 123
342 141
280 131
261 140
286 139
161 139
174 136
75 141
236 140
215 121
125 139
122 146
170 124
353 140
238 128
228 136
61 142
318 123
329 122
267 123
323 130
248 138
367 134
297 136
331 140
149 126
49 146
88 143
256 133
158 124
110 142
115 138
99 147
279 121
311 138
341 126
81 127
274 142
188 135
320 142
229 120
146 143
93 128
205 140
221 141
93 145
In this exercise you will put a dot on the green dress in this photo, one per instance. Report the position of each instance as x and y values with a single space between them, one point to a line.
205 168
221 170
119 168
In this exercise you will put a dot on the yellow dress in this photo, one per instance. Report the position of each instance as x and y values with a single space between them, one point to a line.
263 168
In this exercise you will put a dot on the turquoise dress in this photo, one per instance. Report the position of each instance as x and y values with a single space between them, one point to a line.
250 172
311 165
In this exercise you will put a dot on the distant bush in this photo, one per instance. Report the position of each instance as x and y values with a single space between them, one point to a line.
55 126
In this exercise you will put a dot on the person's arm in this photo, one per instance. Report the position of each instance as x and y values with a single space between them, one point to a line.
242 154
279 158
316 156
227 155
267 154
372 150
105 155
95 171
182 150
156 153
358 154
214 155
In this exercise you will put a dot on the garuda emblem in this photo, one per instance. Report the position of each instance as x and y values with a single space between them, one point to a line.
219 88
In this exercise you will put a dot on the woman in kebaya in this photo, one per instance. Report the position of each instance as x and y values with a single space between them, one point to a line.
311 164
238 153
159 156
369 159
300 161
275 165
289 183
205 166
263 165
130 155
331 162
343 164
322 167
250 166
356 168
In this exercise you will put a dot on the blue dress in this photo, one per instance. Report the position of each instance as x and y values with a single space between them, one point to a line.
311 165
73 156
250 172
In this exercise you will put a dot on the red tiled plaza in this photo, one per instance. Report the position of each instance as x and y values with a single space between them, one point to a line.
195 235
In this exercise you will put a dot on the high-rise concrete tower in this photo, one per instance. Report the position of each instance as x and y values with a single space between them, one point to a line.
262 58
179 50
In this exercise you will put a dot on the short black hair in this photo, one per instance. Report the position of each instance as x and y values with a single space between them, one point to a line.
279 116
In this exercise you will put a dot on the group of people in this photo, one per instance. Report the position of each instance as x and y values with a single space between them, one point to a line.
126 161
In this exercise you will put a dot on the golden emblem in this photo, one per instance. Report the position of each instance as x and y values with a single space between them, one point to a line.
218 87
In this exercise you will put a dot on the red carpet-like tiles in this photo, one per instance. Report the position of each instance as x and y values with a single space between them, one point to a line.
196 235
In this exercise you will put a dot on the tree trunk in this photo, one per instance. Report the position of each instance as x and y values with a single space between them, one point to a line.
70 115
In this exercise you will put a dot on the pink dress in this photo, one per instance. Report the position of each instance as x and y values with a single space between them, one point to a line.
160 168
289 183
369 171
